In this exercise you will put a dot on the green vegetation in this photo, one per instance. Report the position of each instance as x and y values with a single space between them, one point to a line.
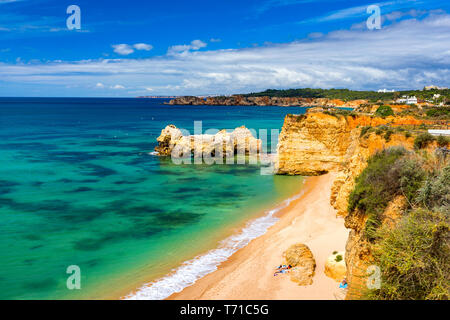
343 94
346 95
413 255
443 141
384 111
365 130
387 135
422 140
438 113
414 258
338 258
383 130
389 173
435 192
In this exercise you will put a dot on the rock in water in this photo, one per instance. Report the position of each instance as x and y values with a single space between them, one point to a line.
302 260
241 140
335 266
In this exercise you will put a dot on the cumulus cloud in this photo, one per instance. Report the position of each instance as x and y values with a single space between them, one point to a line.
123 49
407 54
118 87
100 85
143 46
126 49
185 48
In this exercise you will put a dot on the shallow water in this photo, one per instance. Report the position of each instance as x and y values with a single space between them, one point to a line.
78 187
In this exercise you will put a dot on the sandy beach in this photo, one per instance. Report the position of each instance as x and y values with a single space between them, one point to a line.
248 274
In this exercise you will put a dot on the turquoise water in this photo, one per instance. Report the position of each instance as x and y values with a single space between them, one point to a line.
78 187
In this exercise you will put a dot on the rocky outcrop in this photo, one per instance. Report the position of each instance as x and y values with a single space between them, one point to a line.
223 144
312 144
335 266
300 257
187 100
238 100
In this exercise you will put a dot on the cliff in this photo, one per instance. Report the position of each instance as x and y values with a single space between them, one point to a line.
238 100
316 143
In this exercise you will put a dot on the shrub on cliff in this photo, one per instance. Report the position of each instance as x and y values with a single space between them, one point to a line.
439 113
389 173
384 111
443 141
414 258
365 130
388 134
422 140
435 193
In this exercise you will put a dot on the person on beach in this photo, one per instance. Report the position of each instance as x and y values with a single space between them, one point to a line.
343 284
282 269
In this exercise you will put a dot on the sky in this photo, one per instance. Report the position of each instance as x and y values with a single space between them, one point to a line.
209 47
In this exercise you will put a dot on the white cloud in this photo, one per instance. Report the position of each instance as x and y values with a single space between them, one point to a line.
126 49
118 87
197 44
184 48
215 40
143 46
123 49
100 85
406 54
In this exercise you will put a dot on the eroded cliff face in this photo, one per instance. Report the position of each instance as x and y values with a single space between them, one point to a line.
317 143
312 144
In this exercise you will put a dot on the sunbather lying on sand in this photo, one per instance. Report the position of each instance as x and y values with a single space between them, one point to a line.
282 269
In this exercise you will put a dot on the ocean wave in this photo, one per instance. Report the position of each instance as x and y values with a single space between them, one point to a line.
191 271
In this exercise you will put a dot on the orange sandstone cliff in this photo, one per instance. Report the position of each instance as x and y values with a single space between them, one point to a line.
317 143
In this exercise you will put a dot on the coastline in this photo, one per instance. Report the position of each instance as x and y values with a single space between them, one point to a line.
236 237
248 273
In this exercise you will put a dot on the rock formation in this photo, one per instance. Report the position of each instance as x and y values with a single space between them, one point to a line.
238 100
317 143
223 144
335 266
300 257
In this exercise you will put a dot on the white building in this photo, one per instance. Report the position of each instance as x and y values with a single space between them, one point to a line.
407 100
385 90
439 132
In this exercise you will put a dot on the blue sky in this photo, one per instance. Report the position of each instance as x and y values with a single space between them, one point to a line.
131 48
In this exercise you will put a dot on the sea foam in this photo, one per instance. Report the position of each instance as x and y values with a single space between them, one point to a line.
192 270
